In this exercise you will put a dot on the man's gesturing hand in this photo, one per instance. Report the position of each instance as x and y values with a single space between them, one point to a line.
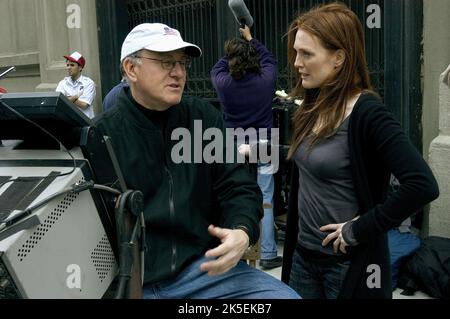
234 243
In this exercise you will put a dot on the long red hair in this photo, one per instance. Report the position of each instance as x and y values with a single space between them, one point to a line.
337 27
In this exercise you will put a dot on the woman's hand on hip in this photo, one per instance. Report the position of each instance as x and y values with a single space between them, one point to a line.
336 235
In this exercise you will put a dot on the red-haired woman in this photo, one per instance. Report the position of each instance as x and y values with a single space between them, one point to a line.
346 144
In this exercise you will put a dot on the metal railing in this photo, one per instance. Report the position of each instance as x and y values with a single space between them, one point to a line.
205 22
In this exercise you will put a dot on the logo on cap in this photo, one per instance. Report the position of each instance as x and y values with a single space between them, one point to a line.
169 31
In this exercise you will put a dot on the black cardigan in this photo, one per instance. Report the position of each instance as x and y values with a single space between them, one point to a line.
378 147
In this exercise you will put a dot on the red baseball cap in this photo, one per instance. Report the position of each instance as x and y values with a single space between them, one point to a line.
76 57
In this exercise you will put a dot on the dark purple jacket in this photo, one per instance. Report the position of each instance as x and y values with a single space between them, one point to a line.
248 101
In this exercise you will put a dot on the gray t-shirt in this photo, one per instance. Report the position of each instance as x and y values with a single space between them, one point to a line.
326 194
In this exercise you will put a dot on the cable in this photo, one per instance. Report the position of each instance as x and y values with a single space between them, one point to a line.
127 242
106 188
124 248
75 188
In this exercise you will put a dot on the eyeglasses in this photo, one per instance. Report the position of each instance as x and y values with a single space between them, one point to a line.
169 64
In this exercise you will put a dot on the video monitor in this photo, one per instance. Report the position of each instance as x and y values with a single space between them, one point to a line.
51 110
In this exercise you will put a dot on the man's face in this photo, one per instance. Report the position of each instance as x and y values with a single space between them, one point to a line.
159 85
73 69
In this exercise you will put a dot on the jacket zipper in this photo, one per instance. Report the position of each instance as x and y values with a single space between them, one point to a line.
171 202
172 219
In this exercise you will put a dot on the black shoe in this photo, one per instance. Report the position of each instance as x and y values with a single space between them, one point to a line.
267 264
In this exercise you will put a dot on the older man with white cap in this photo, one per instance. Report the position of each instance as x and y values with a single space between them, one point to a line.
200 217
78 88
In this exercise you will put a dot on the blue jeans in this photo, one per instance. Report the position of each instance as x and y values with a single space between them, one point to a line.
314 281
266 183
240 282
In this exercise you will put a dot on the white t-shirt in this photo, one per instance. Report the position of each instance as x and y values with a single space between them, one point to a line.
84 87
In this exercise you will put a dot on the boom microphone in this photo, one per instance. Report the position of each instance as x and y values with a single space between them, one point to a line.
240 12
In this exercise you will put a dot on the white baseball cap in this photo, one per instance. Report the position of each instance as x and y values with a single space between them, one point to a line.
156 37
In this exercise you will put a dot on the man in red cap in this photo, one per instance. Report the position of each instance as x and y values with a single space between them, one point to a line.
78 88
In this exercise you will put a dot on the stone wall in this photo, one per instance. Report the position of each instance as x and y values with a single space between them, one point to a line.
436 57
439 159
35 36
19 45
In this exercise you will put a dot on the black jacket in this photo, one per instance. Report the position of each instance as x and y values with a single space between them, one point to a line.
181 200
377 147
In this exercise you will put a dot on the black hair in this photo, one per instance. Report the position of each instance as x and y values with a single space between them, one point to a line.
242 57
